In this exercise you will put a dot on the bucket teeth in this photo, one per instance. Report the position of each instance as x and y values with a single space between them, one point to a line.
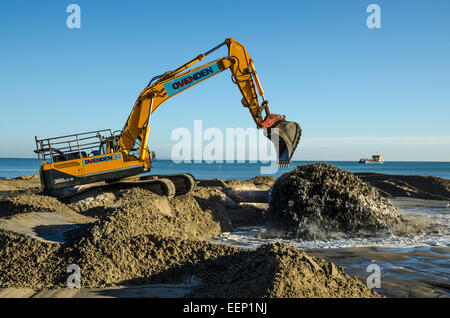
283 164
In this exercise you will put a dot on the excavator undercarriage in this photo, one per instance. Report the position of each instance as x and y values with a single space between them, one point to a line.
164 185
78 151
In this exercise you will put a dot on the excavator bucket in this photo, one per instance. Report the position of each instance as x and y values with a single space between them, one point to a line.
288 133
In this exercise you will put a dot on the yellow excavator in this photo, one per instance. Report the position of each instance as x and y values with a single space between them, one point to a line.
122 157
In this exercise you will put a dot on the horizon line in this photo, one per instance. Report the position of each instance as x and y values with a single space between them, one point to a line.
247 161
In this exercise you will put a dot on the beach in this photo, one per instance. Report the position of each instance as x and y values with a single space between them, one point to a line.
132 243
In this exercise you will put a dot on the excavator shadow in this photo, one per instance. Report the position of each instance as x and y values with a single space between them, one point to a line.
59 233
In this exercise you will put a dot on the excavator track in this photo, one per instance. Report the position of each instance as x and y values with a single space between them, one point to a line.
164 185
160 186
184 182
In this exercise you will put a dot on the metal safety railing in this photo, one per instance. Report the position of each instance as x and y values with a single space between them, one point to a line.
71 147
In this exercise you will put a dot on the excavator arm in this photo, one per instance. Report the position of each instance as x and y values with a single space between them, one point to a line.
136 130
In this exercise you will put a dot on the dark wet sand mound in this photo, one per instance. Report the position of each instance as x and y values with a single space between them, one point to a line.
319 201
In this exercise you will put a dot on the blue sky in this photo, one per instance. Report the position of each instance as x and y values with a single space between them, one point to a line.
354 90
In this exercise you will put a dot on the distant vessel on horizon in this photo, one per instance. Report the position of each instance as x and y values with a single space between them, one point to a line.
377 159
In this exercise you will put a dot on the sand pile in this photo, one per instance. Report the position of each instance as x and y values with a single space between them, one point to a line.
144 235
29 202
142 259
278 270
138 211
273 270
137 234
320 201
29 263
139 238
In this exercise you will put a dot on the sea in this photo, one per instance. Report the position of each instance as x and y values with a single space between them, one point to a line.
15 167
416 265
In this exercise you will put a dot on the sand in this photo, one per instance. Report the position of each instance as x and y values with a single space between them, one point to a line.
279 270
137 238
142 291
418 187
320 201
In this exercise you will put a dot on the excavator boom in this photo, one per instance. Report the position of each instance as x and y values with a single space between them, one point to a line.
285 134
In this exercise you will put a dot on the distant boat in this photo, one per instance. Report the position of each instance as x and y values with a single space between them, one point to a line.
377 159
